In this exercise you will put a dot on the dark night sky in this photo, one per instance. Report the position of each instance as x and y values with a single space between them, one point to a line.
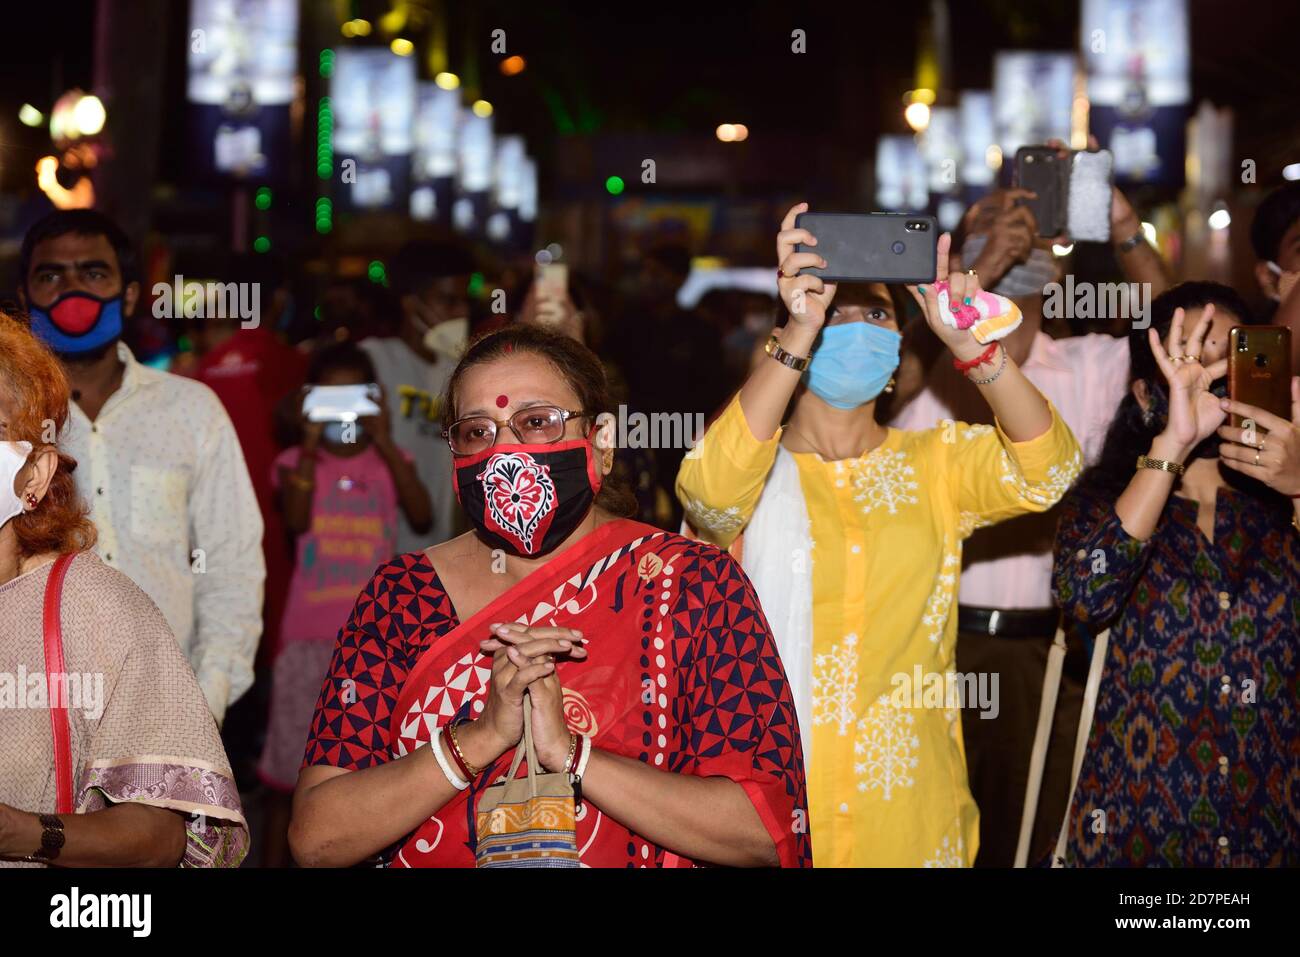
664 66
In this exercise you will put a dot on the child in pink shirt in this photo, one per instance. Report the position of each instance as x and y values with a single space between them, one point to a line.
340 492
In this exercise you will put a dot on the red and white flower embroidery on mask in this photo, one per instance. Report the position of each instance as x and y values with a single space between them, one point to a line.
520 497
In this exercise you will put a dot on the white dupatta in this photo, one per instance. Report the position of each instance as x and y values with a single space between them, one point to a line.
777 557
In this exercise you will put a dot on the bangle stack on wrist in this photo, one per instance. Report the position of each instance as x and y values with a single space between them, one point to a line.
466 769
456 780
579 752
579 755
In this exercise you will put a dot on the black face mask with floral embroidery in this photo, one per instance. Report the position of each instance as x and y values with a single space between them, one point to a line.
527 499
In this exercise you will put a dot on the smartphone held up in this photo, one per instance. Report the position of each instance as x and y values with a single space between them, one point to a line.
1072 191
872 247
1259 369
341 403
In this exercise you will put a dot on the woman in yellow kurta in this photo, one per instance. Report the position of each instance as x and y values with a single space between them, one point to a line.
852 537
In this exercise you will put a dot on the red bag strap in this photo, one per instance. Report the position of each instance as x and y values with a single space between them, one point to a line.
53 623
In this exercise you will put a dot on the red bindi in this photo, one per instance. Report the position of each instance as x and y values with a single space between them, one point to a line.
502 401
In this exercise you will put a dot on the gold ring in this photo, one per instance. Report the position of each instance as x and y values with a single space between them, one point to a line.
1257 456
1191 358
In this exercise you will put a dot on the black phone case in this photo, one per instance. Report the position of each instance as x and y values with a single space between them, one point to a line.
860 247
1038 168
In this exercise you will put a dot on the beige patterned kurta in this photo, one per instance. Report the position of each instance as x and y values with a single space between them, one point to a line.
140 727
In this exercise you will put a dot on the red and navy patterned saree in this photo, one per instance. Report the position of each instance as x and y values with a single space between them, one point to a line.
682 673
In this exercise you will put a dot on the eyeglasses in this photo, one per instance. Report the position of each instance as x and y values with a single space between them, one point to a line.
536 425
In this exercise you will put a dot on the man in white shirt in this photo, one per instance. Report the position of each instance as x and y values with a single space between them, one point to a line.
159 463
431 282
1006 620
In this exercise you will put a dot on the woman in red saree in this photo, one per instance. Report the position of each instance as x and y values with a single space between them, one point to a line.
650 645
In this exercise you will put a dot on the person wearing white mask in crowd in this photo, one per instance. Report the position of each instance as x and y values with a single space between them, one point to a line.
431 282
1006 619
1275 236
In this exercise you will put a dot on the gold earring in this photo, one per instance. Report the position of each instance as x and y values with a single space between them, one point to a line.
890 387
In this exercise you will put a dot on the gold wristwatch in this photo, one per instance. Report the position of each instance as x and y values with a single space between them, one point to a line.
797 363
1160 465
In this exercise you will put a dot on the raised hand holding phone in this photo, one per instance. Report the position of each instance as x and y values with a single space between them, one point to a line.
807 297
1272 456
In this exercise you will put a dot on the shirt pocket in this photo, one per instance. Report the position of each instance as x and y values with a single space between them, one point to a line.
158 505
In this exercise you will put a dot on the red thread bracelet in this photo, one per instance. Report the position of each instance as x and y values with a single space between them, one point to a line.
979 360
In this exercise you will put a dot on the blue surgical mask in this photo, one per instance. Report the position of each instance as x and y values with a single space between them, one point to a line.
852 363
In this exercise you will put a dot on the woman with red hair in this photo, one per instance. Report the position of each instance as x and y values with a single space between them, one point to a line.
136 774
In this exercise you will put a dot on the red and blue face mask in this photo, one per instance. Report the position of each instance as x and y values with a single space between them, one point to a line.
527 499
78 322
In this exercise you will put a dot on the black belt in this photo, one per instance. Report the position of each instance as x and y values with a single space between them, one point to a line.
1008 622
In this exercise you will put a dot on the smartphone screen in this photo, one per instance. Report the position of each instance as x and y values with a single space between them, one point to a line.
1089 200
552 280
341 403
872 247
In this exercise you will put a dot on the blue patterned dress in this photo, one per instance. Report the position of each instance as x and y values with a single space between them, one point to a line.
1194 755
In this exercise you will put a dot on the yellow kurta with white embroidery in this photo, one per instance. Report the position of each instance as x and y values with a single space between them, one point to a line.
887 784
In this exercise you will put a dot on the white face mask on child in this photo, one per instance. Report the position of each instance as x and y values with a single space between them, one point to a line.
13 456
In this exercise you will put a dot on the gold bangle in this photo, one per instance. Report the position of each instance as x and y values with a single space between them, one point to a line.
1160 465
573 747
455 746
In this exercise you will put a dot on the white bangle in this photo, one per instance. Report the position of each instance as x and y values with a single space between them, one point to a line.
456 780
584 743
